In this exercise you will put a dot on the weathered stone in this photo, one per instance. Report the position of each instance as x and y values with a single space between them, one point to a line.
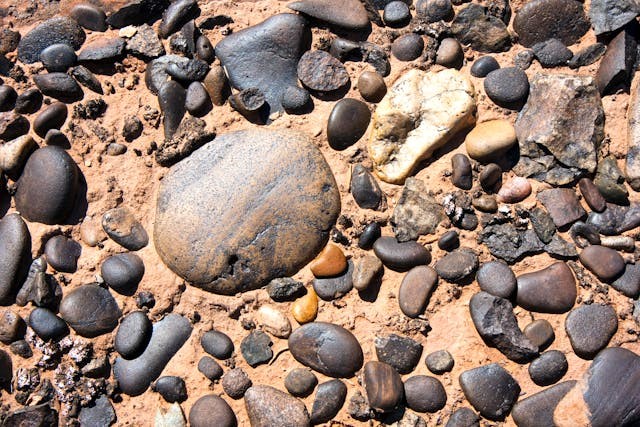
191 134
617 65
590 328
102 49
60 29
541 20
320 71
14 154
352 15
123 228
563 205
383 386
145 43
537 409
402 353
12 125
505 241
416 213
610 181
211 409
267 406
365 189
458 265
549 368
632 168
474 26
256 348
615 219
15 254
629 282
609 15
491 390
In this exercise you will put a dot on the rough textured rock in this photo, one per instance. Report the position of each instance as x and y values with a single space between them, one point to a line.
284 230
609 15
475 26
617 66
402 353
615 219
267 406
632 168
60 29
416 213
541 20
210 410
590 327
563 205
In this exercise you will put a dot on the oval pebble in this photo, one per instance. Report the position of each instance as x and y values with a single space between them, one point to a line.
407 47
496 278
62 253
123 272
29 101
15 255
197 100
483 66
133 335
210 368
462 176
52 117
400 256
549 290
347 123
211 410
371 86
8 97
416 289
439 362
60 86
90 310
606 263
396 14
489 140
549 368
124 229
273 321
46 324
218 344
450 54
329 262
424 394
369 235
305 308
58 57
171 388
514 190
383 386
295 99
590 328
89 16
300 382
328 401
507 87
540 333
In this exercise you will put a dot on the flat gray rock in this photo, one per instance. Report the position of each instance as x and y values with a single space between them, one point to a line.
610 15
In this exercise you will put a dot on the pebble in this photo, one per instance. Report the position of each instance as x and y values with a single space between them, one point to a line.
172 416
616 66
463 417
407 47
327 348
329 262
329 400
552 53
8 97
402 353
268 406
102 49
416 289
168 335
145 43
124 229
483 66
383 386
210 368
62 253
347 123
217 343
87 79
365 189
211 410
489 141
52 31
330 288
176 15
89 16
369 235
43 415
507 87
587 55
12 326
197 99
352 16
540 333
47 187
457 266
615 219
434 10
396 14
550 290
46 324
285 289
538 409
541 20
52 117
172 98
9 40
491 390
15 254
549 368
439 362
122 272
37 288
514 190
462 176
29 101
450 54
273 321
171 388
590 328
609 180
319 71
490 177
305 308
60 86
12 125
416 213
424 394
300 382
204 49
485 203
235 383
497 278
400 256
629 282
449 241
606 263
371 86
190 71
295 99
366 271
475 25
563 205
256 348
133 335
99 413
55 137
90 310
251 103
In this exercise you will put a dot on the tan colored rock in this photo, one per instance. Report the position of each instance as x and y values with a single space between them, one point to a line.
365 271
421 112
515 190
14 154
329 262
170 416
632 168
274 321
215 83
305 309
490 139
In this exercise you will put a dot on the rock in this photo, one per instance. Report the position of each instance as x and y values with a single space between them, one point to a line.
12 125
540 333
188 71
352 16
552 53
632 165
591 195
329 262
538 408
416 213
330 288
132 12
90 310
36 415
615 219
463 417
507 87
563 205
449 241
490 390
450 54
617 64
285 289
326 348
587 55
483 66
12 326
273 321
458 265
319 71
514 190
396 14
424 394
549 368
474 26
347 122
434 10
102 49
133 335
262 251
58 57
371 86
269 406
191 134
439 362
38 288
47 187
403 123
590 327
485 203
172 97
47 325
132 128
100 413
145 43
55 30
365 189
540 20
15 254
550 290
497 325
197 99
607 15
489 140
210 368
305 309
29 101
496 278
235 383
86 78
62 253
400 256
176 15
416 289
300 382
9 40
122 227
508 243
369 235
383 386
295 100
610 181
251 103
329 400
256 348
401 353
60 86
407 47
89 16
270 54
168 335
122 272
52 117
215 82
629 282
462 176
171 416
211 410
605 263
204 49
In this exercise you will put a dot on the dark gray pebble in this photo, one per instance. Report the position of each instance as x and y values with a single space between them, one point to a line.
55 30
347 123
439 362
400 256
590 328
122 272
15 254
62 253
329 400
407 47
629 282
210 368
483 66
60 86
176 15
458 265
540 333
58 57
192 70
365 189
29 101
217 344
8 97
549 368
463 417
21 348
171 388
204 49
133 335
537 409
497 278
462 177
256 348
99 413
396 14
490 177
507 87
330 288
424 394
52 117
449 241
491 390
86 78
403 353
46 324
197 99
172 98
435 10
89 16
552 53
102 49
369 235
295 99
300 382
90 310
285 289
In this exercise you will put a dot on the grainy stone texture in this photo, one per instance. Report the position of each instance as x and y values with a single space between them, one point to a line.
268 406
416 213
540 20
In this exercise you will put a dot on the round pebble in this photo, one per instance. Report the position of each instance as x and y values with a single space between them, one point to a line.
58 57
347 123
369 235
210 368
171 388
52 117
549 368
396 14
497 278
606 263
46 324
123 272
540 333
514 190
490 140
197 100
217 344
133 335
235 383
62 253
212 411
90 310
273 321
371 86
300 382
483 66
89 16
435 10
204 49
450 54
449 241
329 262
490 177
400 256
590 328
415 290
424 394
295 99
407 47
507 87
8 97
29 101
439 362
485 203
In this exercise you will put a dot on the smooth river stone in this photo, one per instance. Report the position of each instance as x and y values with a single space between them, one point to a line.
90 310
489 140
211 410
550 290
327 348
168 335
271 229
540 20
15 252
400 256
383 385
347 14
605 263
491 390
537 409
590 328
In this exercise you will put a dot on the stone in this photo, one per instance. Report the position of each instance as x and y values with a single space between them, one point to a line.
172 97
424 394
617 64
89 16
507 87
607 15
496 278
590 328
483 66
273 321
538 408
12 326
434 10
47 325
145 43
133 335
176 15
458 265
210 368
352 16
29 101
540 333
497 325
550 290
439 362
606 263
462 176
62 253
365 189
591 195
474 26
38 288
618 243
132 12
256 348
168 335
90 310
490 140
383 386
12 125
416 213
278 242
197 100
216 84
58 57
52 117
99 413
407 47
47 186
400 256
463 417
210 410
610 181
60 86
629 282
251 103
491 390
124 229
404 130
327 348
191 134
549 368
122 272
506 242
171 416
370 234
485 203
449 241
269 406
300 382
329 262
86 78
514 190
371 86
632 164
319 71
552 53
305 309
60 29
102 49
359 408
396 14
295 100
402 353
587 55
204 49
450 54
36 415
540 20
329 400
615 219
416 289
235 383
15 254
285 289
188 71
270 54
348 122
563 205
330 288
9 40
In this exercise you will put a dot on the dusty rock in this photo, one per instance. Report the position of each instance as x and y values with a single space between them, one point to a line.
269 406
496 278
235 383
632 168
616 67
12 326
320 71
101 413
609 15
458 265
587 55
550 290
12 125
424 394
171 416
563 205
133 335
439 362
217 344
491 390
300 382
507 87
352 16
285 289
274 321
610 181
328 401
305 309
416 213
552 53
407 47
123 228
541 20
256 348
145 43
191 134
55 30
102 49
402 353
474 26
416 289
538 408
14 154
591 195
590 327
615 219
549 368
365 189
629 282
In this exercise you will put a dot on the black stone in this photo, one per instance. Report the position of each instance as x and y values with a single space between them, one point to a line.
87 79
328 401
537 409
474 26
295 99
541 20
407 47
300 382
347 123
507 87
424 394
90 310
285 289
122 272
190 71
369 235
210 368
102 49
552 53
365 189
463 417
396 14
60 86
89 16
171 388
55 30
58 57
549 368
217 344
449 241
204 49
15 254
47 325
133 335
491 390
439 362
400 256
172 97
434 10
256 348
52 117
483 66
587 55
62 253
8 98
99 413
29 101
402 353
176 15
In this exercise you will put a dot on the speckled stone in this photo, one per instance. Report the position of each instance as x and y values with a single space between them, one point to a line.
590 328
212 410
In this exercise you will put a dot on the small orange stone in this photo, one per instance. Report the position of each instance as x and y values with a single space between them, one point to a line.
305 309
330 262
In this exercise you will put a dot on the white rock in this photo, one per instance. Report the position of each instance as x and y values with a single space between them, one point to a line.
274 321
170 417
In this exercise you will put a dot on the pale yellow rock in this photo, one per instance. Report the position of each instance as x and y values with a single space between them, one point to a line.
274 321
305 308
490 139
14 154
421 112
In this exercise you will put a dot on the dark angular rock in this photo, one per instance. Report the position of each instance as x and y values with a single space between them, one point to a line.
609 180
99 413
87 79
12 125
122 227
37 415
590 327
609 15
102 49
9 40
508 243
615 219
256 348
458 265
474 26
563 205
12 327
172 97
134 12
189 71
617 65
365 189
176 15
587 55
541 20
60 29
90 310
133 335
592 195
491 390
285 289
329 400
38 287
402 353
191 134
145 43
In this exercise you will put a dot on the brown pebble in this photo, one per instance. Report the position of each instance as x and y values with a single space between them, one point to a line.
415 290
305 308
366 270
383 386
215 82
329 262
485 203
371 86
605 263
515 190
450 54
592 195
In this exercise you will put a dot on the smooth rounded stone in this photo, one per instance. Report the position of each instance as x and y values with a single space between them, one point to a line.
90 310
212 411
268 406
407 47
122 272
89 16
496 278
46 324
462 176
62 253
434 10
327 348
491 390
267 241
329 400
396 14
463 417
320 71
52 117
540 333
550 290
424 394
15 254
52 31
365 189
305 309
171 388
330 288
60 86
449 241
98 413
210 368
400 256
58 58
285 289
629 282
176 15
172 98
489 140
439 362
197 99
235 383
371 86
606 263
156 74
483 66
369 235
507 87
541 20
204 49
274 321
538 409
256 348
485 203
352 14
402 353
552 53
416 289
549 368
329 262
347 123
29 101
218 344
590 328
47 187
300 382
367 270
8 97
514 190
124 229
458 265
12 125
295 99
383 386
133 335
12 326
450 54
